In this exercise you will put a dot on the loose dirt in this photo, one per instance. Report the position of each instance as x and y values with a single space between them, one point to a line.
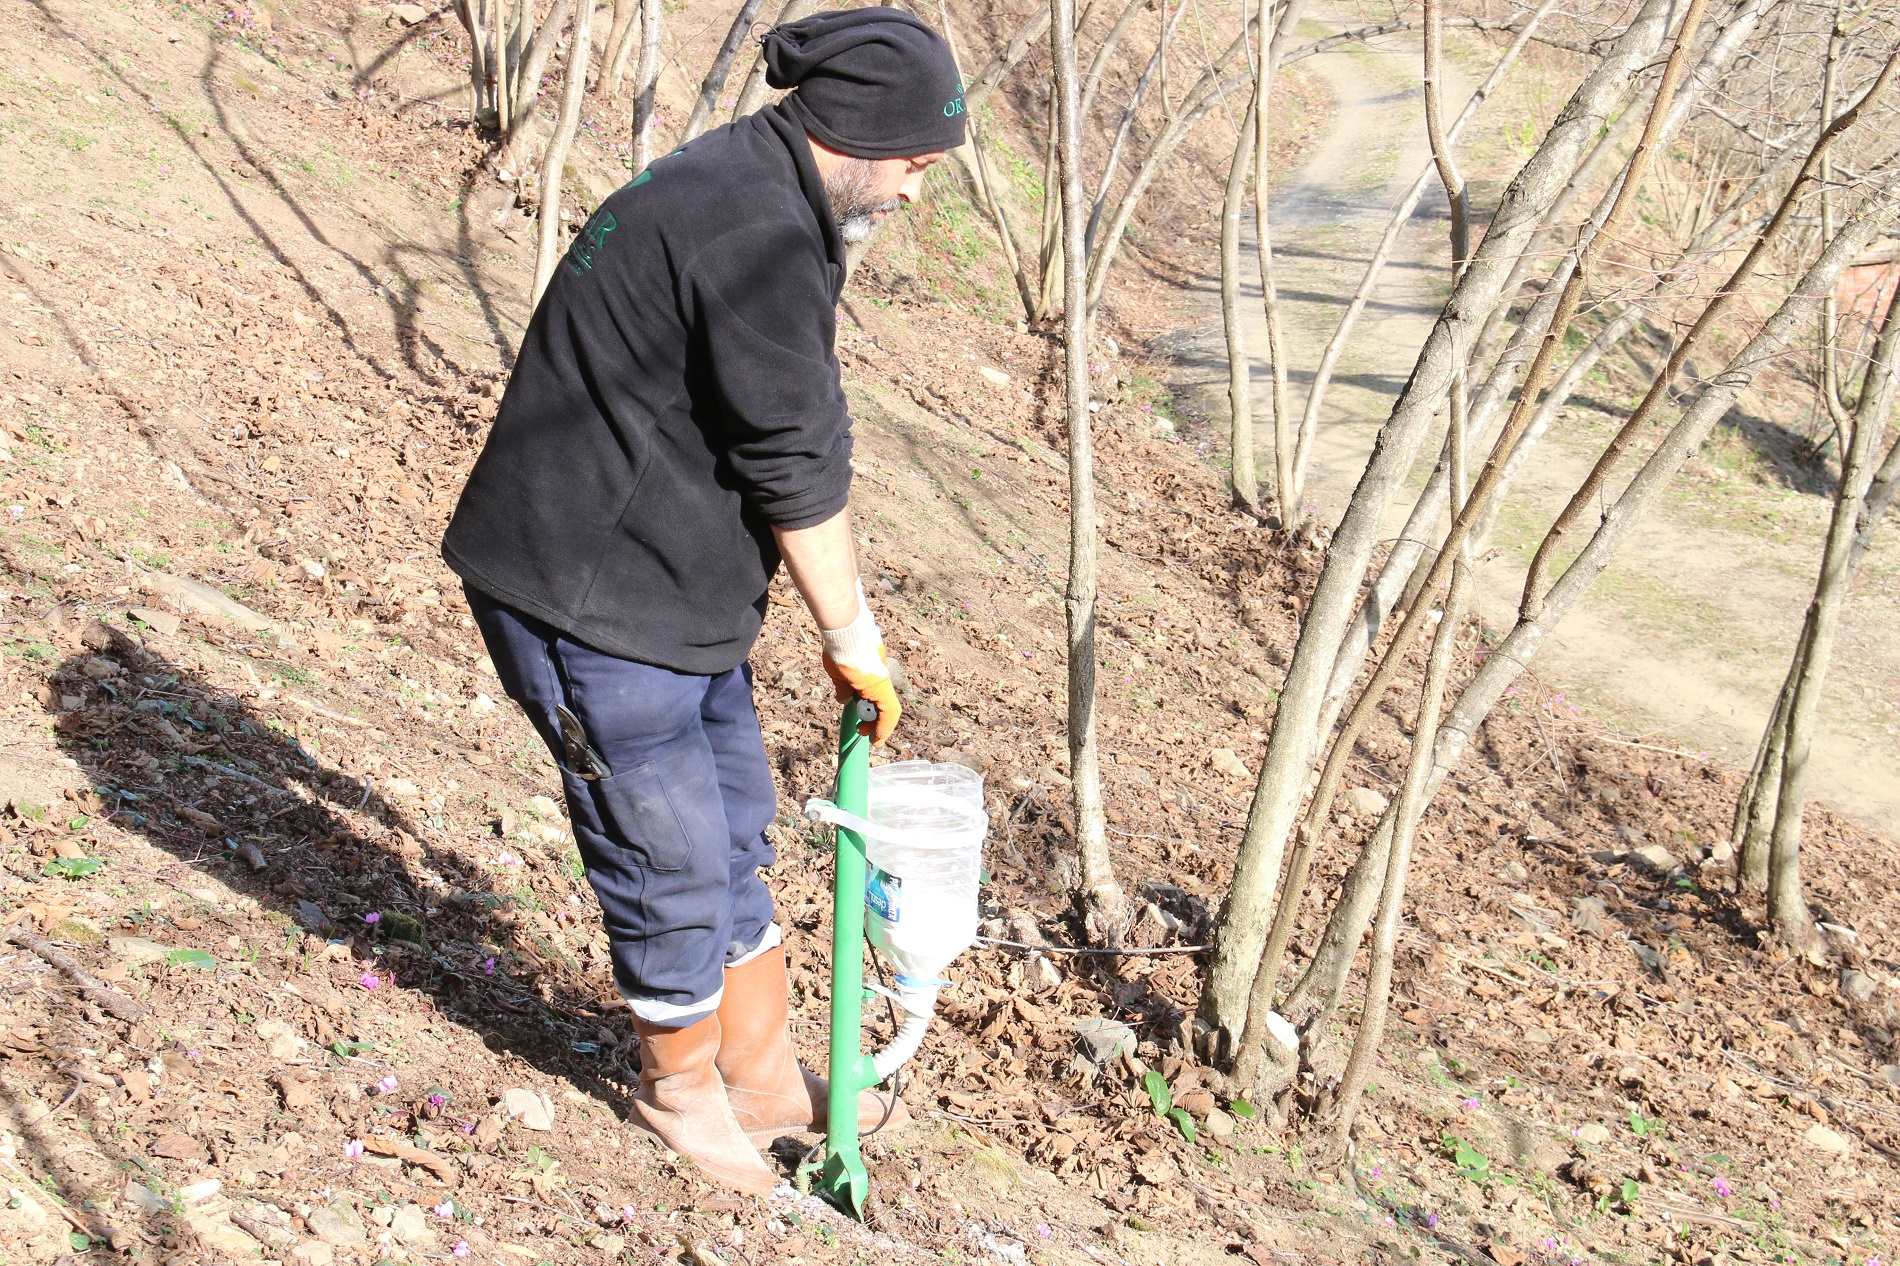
260 319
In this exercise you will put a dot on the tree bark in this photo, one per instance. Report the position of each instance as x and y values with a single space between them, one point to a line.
613 62
1241 932
646 85
554 161
1415 539
715 81
1242 482
534 65
1272 47
1316 993
1382 254
1787 904
1592 485
1100 894
752 96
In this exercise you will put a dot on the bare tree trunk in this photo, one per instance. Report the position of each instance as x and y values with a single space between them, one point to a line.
1200 98
1587 492
1412 543
1787 904
1382 253
1242 930
554 161
1122 129
1272 47
716 74
1101 895
613 62
533 68
1754 826
474 20
500 66
752 96
1315 995
1243 483
646 84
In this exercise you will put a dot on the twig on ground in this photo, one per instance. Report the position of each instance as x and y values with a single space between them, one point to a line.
90 986
1148 952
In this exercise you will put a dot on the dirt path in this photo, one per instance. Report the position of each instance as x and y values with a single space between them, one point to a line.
1685 640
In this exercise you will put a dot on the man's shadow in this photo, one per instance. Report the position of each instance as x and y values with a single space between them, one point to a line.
203 777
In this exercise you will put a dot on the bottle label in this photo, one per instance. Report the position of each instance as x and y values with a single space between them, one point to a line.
882 894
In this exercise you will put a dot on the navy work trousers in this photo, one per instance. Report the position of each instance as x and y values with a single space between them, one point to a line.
669 807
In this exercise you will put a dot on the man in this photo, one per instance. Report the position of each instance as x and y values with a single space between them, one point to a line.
673 428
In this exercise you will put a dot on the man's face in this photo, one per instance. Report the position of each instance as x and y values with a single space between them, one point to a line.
862 191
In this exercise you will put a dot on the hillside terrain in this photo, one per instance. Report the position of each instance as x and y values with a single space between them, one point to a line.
301 966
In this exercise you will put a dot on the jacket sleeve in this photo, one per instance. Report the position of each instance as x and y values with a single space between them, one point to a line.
762 310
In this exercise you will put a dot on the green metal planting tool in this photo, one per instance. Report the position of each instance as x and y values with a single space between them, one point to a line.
840 1178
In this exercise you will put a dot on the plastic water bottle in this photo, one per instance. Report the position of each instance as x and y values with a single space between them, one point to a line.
926 861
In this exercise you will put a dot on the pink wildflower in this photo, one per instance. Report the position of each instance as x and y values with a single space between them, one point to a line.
1469 1103
373 918
460 1249
353 1148
370 980
438 1100
488 966
387 1085
628 1213
444 1210
1722 1188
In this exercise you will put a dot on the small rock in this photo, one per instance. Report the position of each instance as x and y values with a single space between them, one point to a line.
197 598
1890 1073
543 807
1366 801
995 377
1044 976
481 705
313 569
411 1225
1587 915
1721 852
610 1245
142 1197
311 915
135 951
403 787
313 1253
338 1224
281 1041
163 623
408 14
1822 1139
1858 986
180 1147
199 1192
1103 1040
1653 858
251 855
1516 872
1223 760
533 1109
1218 1125
1595 1133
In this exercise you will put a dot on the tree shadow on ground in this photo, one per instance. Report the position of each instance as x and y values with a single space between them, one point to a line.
207 780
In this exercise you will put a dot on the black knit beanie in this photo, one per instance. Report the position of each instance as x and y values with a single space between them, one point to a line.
871 83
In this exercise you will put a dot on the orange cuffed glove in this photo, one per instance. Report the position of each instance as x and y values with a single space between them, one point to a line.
855 660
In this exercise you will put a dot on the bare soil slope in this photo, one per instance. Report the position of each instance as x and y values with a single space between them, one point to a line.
300 967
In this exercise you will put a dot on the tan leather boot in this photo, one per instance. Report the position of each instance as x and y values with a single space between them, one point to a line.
681 1100
770 1094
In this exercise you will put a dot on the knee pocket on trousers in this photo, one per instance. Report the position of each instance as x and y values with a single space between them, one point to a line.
662 811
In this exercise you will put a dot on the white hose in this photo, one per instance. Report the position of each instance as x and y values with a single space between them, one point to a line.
910 1036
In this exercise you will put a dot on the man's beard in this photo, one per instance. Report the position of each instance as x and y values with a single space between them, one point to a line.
854 200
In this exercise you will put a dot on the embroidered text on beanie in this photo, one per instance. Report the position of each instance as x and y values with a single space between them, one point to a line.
871 83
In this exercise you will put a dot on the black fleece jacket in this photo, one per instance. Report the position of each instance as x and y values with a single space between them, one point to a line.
676 397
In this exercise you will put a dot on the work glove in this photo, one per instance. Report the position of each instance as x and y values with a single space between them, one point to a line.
855 660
